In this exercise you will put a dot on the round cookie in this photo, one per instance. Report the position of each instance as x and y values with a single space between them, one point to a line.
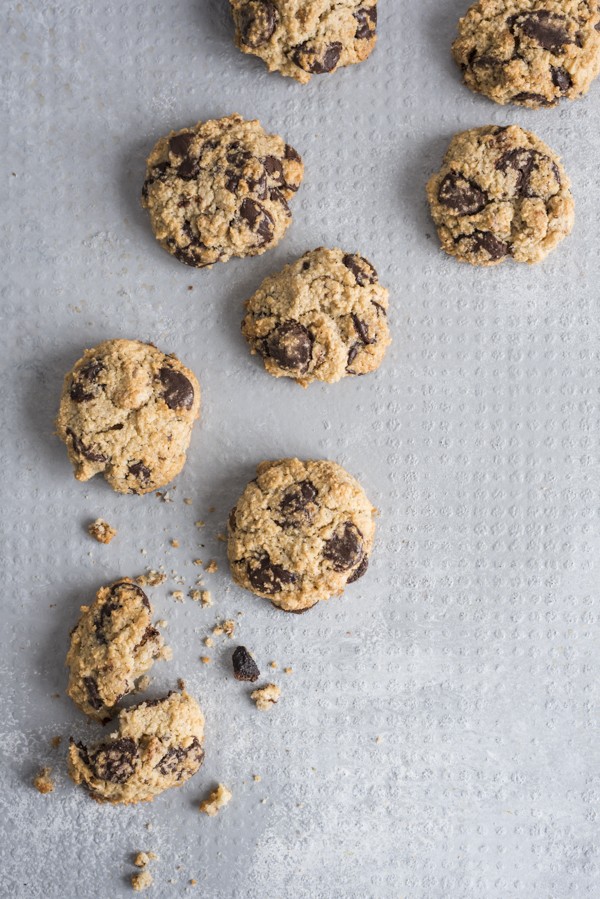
220 189
500 193
529 52
127 411
300 39
300 532
112 645
320 319
158 745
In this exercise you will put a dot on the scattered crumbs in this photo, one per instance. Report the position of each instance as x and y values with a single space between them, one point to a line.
222 538
187 501
55 742
193 882
195 595
266 697
175 544
144 552
181 683
288 670
272 664
142 684
162 623
205 660
101 531
143 858
206 598
199 523
141 881
208 641
217 799
225 627
197 561
256 778
211 567
379 739
43 782
152 578
177 595
244 666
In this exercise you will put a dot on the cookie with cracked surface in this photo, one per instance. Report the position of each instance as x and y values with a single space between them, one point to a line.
302 38
501 193
530 52
220 189
158 745
127 412
112 645
320 319
300 532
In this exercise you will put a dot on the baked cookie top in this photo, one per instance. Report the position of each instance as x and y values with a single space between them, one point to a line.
301 38
500 193
220 189
529 52
158 745
127 412
300 532
112 645
320 319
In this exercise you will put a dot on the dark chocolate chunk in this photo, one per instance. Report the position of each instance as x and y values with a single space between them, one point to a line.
85 451
179 144
178 391
140 471
380 309
528 97
525 162
547 29
367 22
258 21
561 79
362 329
188 169
274 168
268 577
173 761
244 666
462 196
258 218
345 548
361 268
290 346
295 506
91 686
115 761
362 569
317 62
493 246
290 153
352 354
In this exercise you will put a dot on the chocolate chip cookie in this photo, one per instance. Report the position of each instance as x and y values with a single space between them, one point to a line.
300 532
220 189
127 412
158 745
300 39
320 319
501 193
113 644
530 52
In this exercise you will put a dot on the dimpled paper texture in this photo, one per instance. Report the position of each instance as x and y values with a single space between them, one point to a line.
437 738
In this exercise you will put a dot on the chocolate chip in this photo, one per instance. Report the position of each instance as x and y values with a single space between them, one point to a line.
150 633
178 391
527 97
306 57
115 761
156 174
85 451
290 346
244 666
274 168
91 686
361 268
232 519
526 163
258 218
290 153
380 309
345 548
545 28
461 195
268 577
362 329
276 195
493 246
362 569
295 506
174 760
140 471
188 169
179 144
561 79
352 354
258 21
367 22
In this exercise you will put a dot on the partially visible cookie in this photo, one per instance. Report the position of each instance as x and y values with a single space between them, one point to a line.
320 319
529 52
220 189
158 745
501 193
300 39
300 532
112 645
127 412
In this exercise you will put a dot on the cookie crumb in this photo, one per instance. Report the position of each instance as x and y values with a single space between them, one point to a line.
208 641
143 683
195 595
211 567
43 782
205 660
272 664
266 697
177 595
256 778
199 524
181 684
175 544
288 670
141 881
379 740
244 666
222 538
152 578
187 501
217 799
101 531
225 627
143 858
55 742
206 598
197 561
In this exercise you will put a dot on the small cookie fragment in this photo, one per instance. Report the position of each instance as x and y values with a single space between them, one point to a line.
501 193
300 39
127 412
101 531
244 666
220 189
322 318
141 881
158 745
112 645
529 52
216 801
266 697
300 533
43 782
144 858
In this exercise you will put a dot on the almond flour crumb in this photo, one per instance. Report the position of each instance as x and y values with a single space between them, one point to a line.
272 664
152 578
217 799
162 623
208 641
195 595
141 881
177 595
378 740
225 627
101 531
266 697
211 567
206 597
198 562
143 858
175 544
205 660
288 670
256 778
222 538
55 742
43 782
187 501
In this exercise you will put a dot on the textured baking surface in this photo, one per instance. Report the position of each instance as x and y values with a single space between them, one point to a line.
471 648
